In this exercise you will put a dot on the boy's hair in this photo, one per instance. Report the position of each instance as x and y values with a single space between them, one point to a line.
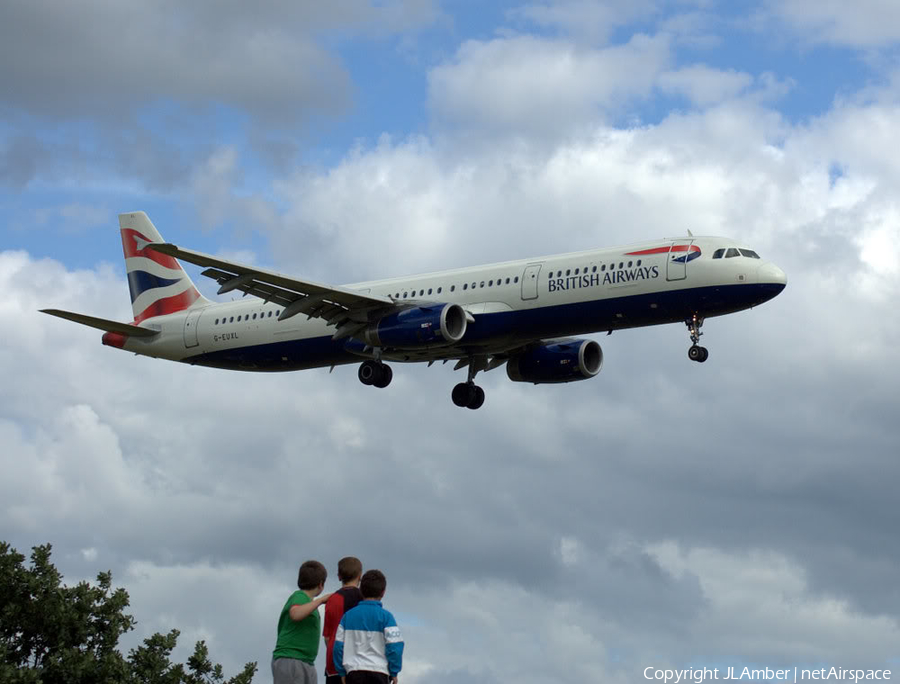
312 574
373 584
349 568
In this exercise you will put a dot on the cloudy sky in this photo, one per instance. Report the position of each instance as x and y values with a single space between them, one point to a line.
663 514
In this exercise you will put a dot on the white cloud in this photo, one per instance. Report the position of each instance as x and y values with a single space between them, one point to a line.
569 550
75 216
862 24
704 85
781 619
593 20
535 86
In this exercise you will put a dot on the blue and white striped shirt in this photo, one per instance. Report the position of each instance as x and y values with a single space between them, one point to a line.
369 639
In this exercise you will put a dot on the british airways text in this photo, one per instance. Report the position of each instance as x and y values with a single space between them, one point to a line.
608 278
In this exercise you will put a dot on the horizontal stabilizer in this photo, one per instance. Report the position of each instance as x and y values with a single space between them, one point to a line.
102 324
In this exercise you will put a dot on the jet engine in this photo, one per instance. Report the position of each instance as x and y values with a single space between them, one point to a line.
558 361
423 326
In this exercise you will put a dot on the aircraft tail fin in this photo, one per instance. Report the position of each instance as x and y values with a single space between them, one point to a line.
158 283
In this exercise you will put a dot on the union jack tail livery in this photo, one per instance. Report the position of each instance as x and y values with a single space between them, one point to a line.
158 283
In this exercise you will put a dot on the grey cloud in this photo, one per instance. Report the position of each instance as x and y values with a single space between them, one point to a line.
632 512
20 158
126 81
130 153
108 60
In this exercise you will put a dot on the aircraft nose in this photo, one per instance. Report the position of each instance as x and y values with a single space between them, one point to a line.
770 274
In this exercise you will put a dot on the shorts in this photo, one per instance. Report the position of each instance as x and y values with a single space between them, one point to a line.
292 671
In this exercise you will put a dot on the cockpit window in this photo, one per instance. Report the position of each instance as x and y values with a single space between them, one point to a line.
719 253
750 253
732 252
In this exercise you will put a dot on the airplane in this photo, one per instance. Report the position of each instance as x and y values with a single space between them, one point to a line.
521 313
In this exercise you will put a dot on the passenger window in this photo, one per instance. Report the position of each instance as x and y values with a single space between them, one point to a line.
639 262
465 286
629 264
603 268
254 317
439 290
576 271
429 290
620 265
516 279
593 269
568 271
453 288
482 283
507 281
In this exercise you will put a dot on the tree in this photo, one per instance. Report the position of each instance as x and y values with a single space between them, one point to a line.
53 633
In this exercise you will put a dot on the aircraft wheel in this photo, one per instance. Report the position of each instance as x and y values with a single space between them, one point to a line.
704 354
384 376
368 372
477 398
695 353
462 394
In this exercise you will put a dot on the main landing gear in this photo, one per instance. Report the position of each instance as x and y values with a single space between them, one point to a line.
468 394
375 373
696 352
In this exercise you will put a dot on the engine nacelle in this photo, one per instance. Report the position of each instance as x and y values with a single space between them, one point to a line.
424 326
563 361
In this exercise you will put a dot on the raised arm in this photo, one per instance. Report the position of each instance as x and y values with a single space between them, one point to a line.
299 611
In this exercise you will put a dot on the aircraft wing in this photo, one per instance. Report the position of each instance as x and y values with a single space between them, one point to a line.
346 309
126 329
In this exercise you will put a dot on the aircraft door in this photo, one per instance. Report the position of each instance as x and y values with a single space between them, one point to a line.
676 267
530 281
191 323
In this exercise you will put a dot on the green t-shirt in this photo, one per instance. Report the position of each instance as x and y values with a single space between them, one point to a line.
298 640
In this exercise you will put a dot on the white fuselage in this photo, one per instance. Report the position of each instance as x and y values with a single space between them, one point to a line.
511 303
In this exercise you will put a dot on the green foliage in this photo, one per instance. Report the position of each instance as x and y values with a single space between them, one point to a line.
51 633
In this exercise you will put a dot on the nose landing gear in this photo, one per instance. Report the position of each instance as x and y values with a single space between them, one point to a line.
696 352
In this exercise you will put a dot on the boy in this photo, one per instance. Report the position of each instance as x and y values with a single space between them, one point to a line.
368 647
298 628
345 598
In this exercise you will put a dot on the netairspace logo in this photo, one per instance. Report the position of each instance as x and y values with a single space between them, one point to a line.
763 674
